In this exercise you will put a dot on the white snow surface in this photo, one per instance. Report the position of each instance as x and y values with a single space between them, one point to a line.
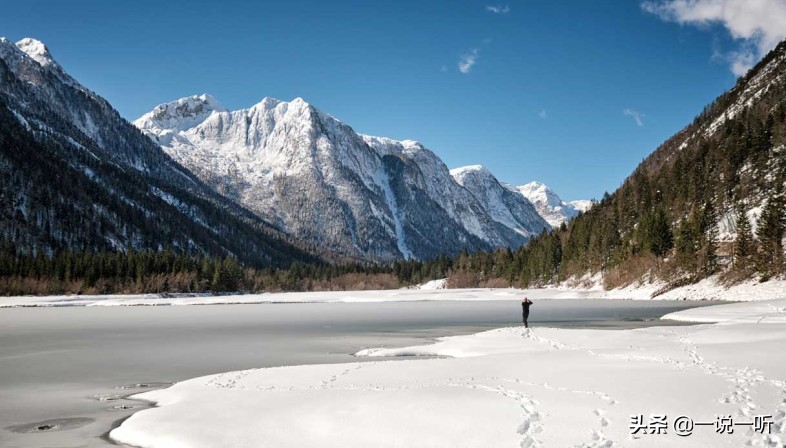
764 311
428 291
550 206
441 283
708 289
510 387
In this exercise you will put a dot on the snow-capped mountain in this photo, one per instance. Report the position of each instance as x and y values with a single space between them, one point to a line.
79 176
501 203
581 205
553 209
325 184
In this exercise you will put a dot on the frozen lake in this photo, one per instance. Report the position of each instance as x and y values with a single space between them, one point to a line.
64 371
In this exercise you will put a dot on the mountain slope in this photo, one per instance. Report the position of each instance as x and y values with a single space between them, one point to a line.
321 182
504 206
709 200
76 175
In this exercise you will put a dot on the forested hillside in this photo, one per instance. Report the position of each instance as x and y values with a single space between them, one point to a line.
75 176
709 200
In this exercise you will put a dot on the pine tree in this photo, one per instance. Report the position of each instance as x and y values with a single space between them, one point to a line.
770 234
709 241
657 236
743 244
687 242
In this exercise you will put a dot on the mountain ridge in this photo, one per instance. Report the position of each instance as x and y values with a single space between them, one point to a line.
250 153
114 189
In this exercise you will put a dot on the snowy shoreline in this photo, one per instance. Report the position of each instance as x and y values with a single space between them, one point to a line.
504 387
708 289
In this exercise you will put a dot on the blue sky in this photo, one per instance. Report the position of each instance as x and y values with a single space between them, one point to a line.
571 93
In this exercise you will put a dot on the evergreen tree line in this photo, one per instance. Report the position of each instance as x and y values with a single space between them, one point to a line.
167 271
679 253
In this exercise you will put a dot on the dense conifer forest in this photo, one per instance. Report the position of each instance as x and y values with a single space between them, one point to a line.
167 271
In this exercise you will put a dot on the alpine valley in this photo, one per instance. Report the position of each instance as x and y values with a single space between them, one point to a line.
277 182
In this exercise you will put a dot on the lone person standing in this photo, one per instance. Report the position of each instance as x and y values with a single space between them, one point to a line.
525 311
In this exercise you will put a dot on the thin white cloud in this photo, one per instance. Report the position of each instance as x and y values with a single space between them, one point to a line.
637 116
498 9
468 60
543 114
758 24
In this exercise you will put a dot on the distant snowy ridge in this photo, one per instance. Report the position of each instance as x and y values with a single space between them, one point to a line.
550 206
318 180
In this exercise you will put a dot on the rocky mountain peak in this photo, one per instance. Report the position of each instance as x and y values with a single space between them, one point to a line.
36 50
538 192
181 114
549 205
478 171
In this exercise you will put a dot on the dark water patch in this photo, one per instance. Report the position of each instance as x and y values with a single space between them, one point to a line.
121 407
150 385
52 425
108 397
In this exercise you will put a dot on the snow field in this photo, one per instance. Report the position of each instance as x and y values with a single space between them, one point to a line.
513 387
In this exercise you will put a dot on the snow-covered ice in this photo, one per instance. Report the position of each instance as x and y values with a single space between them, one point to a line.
511 387
766 311
708 289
